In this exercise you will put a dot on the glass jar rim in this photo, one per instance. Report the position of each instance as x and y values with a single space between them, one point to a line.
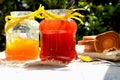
19 13
58 11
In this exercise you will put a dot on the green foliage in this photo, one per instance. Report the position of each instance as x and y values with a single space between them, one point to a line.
49 4
98 18
56 4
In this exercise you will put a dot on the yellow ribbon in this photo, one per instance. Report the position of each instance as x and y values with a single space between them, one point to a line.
42 13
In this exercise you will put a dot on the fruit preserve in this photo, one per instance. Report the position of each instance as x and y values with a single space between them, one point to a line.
18 48
58 40
22 37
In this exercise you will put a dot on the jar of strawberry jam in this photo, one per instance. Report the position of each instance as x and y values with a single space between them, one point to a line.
58 38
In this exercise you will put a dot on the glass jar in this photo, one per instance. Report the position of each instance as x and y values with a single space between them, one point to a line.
22 39
58 38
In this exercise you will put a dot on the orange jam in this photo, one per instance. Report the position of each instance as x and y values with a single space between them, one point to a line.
19 48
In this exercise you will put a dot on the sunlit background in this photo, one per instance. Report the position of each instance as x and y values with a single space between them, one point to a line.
100 15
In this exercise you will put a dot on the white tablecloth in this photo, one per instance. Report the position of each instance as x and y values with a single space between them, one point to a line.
74 71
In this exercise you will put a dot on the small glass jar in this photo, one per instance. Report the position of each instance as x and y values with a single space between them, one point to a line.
58 38
22 39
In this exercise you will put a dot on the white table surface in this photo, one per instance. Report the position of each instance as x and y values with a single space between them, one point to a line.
73 71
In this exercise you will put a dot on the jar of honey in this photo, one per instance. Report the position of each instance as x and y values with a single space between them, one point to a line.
58 38
22 36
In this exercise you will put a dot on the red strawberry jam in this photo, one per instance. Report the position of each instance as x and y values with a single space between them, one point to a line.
58 40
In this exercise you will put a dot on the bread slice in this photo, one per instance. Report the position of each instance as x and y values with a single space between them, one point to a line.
88 45
107 41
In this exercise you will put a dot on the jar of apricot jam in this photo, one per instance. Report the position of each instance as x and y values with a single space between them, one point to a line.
22 39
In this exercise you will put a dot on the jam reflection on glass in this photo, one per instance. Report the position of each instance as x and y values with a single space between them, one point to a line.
58 40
